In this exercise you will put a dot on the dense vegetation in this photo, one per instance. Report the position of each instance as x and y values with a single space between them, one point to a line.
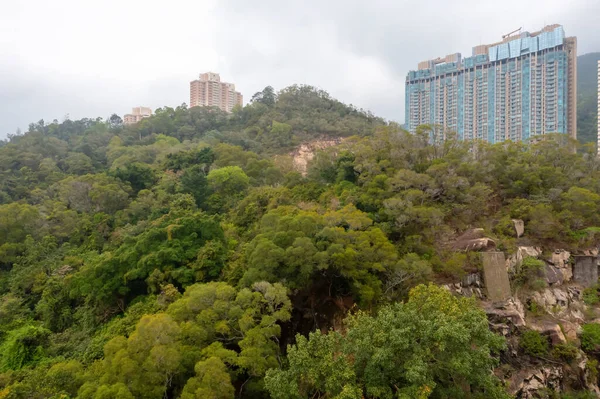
587 97
185 257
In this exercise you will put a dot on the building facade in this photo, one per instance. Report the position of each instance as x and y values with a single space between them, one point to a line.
523 86
209 91
136 115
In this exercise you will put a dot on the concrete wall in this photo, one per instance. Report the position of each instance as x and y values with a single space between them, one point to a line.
495 276
585 270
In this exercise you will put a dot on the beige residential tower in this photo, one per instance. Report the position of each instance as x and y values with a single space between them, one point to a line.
209 91
136 115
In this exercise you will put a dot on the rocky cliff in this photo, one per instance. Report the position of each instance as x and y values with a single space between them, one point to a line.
548 299
306 152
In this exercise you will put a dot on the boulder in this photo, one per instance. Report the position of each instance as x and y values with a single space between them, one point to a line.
554 275
470 286
545 299
561 302
478 244
536 380
575 294
560 262
570 330
576 315
519 227
510 313
472 234
562 298
589 382
529 251
591 252
501 329
560 258
528 383
551 330
473 240
472 280
476 292
514 261
550 298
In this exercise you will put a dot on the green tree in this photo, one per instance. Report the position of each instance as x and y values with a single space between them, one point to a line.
139 175
181 160
433 346
267 97
581 204
17 221
142 365
280 135
227 185
77 163
307 250
229 180
182 352
194 182
66 377
408 272
23 346
167 250
212 381
92 193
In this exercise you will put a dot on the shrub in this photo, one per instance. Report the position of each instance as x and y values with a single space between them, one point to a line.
505 227
566 352
535 308
533 343
588 237
591 367
579 395
453 266
590 295
23 347
590 337
531 273
538 284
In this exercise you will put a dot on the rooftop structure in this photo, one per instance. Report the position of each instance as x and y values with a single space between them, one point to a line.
522 86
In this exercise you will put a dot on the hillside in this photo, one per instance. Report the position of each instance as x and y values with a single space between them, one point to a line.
185 257
587 97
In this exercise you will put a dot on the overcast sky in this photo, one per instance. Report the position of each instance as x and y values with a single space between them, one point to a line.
89 58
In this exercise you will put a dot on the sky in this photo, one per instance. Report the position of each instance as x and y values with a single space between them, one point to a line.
91 58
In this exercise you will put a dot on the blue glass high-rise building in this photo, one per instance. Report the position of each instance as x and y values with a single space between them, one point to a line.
521 87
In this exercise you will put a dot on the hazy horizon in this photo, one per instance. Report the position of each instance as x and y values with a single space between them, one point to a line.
93 59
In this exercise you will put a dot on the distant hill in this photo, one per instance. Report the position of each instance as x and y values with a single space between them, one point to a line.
587 100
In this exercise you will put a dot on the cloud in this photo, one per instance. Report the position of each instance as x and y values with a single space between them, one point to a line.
92 58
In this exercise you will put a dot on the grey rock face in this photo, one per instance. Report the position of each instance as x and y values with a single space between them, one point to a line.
519 227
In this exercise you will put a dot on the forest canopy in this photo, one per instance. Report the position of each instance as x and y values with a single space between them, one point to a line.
186 257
